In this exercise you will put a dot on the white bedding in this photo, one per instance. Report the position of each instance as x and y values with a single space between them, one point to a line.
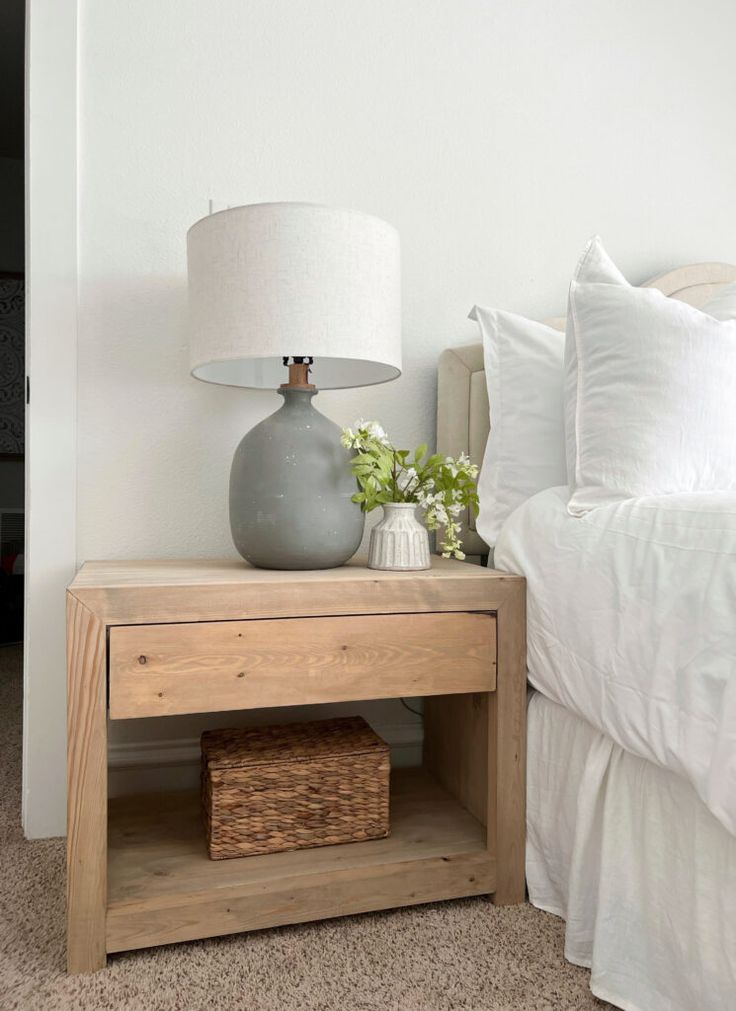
632 625
632 859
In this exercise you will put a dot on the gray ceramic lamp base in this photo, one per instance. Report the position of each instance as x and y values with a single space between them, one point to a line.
290 491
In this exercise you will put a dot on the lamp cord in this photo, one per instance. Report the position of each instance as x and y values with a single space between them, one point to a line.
406 705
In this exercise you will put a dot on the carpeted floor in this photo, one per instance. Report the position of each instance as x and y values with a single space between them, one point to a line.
454 956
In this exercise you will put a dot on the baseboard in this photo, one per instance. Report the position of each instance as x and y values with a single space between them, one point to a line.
146 766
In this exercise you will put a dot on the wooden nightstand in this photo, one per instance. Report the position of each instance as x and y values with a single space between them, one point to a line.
160 638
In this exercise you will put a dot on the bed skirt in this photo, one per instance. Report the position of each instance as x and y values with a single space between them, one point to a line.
629 856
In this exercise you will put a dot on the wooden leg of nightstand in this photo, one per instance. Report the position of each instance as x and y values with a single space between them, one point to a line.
87 789
507 752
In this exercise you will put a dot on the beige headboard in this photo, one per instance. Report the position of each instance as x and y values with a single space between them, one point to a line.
463 417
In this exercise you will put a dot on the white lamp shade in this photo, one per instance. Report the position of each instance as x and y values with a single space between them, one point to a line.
270 280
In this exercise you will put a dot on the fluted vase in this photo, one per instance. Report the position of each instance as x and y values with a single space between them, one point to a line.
399 542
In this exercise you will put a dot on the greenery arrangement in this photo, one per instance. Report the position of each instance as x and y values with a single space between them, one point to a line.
440 485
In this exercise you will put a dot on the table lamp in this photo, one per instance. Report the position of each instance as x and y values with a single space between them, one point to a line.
295 298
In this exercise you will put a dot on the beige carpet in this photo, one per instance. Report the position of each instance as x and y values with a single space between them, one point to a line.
465 955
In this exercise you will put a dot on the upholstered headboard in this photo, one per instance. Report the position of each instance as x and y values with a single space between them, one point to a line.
463 421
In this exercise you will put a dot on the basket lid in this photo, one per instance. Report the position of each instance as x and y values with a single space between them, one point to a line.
289 742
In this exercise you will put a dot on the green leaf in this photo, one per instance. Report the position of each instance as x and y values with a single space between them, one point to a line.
420 452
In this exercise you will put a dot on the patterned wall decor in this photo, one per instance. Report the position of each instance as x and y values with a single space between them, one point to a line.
12 366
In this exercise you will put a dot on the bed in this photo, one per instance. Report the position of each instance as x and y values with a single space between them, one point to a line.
630 814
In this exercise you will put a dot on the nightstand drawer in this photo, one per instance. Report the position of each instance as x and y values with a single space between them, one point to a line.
162 670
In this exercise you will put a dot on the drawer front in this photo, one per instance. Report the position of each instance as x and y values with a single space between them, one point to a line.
162 670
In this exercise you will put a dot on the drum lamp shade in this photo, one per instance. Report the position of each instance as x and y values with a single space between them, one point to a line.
268 281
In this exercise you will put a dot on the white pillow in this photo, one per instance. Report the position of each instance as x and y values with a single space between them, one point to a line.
525 452
655 408
531 447
594 266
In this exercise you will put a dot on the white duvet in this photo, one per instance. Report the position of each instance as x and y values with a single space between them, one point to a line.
632 625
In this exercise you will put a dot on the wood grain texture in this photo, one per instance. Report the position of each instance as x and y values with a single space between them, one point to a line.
160 670
238 574
386 886
161 883
163 888
128 593
87 789
455 747
507 751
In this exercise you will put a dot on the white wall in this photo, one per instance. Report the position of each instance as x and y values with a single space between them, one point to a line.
51 336
496 136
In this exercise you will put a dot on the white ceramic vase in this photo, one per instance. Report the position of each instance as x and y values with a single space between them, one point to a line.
399 542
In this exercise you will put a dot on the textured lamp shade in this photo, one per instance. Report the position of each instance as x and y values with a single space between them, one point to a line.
270 280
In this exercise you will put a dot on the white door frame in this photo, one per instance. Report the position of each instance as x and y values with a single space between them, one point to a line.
51 364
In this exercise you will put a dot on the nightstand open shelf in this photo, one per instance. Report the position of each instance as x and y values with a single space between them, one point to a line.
152 639
162 886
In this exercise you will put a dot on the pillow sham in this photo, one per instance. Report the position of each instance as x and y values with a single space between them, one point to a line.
595 266
531 375
525 452
654 411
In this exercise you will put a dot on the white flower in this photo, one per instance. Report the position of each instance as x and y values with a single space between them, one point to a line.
406 478
378 432
372 430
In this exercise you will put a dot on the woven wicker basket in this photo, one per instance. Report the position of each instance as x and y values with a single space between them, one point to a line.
270 789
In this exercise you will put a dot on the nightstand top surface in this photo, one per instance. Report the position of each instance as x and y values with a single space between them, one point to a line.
146 592
110 575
